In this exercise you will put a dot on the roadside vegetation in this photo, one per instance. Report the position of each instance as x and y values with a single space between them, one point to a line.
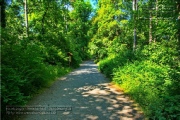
36 40
147 65
137 47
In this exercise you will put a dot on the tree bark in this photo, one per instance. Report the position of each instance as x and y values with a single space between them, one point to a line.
2 13
150 28
135 35
156 22
26 17
178 21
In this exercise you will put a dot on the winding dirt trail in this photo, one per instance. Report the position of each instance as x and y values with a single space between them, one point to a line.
87 95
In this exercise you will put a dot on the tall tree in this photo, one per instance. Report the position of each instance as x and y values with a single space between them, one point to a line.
108 22
80 25
3 15
26 17
135 7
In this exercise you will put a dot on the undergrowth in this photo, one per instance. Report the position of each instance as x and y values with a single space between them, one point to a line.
29 66
150 76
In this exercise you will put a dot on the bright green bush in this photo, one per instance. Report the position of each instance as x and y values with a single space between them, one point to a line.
150 76
115 60
164 53
151 86
76 60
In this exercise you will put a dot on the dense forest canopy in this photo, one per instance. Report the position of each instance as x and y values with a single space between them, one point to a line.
135 42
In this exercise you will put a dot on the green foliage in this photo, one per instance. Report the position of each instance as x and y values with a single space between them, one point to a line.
24 70
149 74
34 55
78 33
18 84
164 53
150 77
152 86
76 60
106 27
115 60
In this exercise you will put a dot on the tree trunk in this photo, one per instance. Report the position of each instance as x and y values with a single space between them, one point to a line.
150 28
134 42
156 22
178 20
2 13
26 17
135 35
65 20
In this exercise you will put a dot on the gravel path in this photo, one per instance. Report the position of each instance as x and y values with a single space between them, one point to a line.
86 94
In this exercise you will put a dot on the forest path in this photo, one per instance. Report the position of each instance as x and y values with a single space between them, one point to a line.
90 95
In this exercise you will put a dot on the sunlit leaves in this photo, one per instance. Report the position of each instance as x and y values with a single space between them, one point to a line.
151 73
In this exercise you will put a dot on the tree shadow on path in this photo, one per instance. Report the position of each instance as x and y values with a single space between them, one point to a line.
90 95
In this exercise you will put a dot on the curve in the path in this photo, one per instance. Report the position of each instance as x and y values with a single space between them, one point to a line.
90 95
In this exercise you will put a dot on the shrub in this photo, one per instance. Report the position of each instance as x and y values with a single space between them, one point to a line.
149 75
149 83
116 60
24 72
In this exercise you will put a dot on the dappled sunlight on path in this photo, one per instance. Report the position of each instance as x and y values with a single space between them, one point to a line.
91 96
